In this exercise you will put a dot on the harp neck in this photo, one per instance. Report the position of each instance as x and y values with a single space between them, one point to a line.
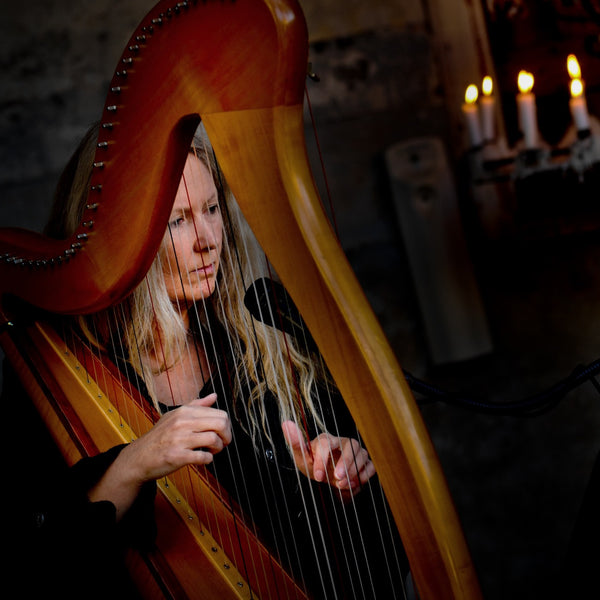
155 100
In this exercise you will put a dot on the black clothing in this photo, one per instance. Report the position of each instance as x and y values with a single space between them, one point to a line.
304 522
57 542
322 543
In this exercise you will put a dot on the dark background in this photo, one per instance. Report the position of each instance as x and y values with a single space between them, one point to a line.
517 482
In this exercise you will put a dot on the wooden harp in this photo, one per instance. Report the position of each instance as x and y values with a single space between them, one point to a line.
239 66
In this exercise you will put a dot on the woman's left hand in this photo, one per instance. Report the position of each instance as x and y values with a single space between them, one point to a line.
340 461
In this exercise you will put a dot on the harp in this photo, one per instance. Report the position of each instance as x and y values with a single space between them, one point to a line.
240 67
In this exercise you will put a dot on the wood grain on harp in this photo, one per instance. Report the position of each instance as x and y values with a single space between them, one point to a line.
92 410
251 107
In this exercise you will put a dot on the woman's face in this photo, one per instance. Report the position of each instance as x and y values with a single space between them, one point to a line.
191 248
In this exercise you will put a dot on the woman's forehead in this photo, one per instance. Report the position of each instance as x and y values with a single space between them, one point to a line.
196 185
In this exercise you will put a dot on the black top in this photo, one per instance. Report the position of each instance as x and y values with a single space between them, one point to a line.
323 543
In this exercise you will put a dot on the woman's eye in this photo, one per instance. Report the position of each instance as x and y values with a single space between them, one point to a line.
213 209
176 222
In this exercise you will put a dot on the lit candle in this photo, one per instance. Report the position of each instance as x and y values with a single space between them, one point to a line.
471 112
487 110
577 103
578 106
527 110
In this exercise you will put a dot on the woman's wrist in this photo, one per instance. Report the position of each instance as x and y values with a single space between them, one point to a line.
119 485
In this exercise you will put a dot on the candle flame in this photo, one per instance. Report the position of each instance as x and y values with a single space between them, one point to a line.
487 86
576 88
471 94
525 82
573 67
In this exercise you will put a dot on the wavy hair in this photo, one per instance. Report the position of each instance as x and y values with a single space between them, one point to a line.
264 358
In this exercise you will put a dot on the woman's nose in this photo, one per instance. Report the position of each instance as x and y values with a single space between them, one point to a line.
204 235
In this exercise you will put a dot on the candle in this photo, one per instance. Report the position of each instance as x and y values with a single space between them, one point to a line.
577 102
578 106
527 110
471 113
487 110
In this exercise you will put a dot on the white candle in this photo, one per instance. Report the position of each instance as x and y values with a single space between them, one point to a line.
578 106
488 110
577 103
527 110
471 113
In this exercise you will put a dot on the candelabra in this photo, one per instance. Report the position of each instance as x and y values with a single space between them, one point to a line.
534 189
538 192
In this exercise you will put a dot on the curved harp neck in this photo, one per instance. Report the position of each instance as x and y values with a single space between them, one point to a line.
155 100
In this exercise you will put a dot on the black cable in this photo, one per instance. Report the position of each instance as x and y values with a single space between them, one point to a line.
528 407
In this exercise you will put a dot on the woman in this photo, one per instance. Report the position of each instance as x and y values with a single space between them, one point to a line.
161 341
248 396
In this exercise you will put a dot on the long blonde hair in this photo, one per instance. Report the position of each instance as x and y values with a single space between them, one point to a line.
265 360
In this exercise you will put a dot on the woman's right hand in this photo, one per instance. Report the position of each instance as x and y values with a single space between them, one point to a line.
192 434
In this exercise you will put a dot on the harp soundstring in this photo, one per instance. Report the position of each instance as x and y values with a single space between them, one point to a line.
329 395
95 349
281 353
124 382
383 517
228 297
224 291
321 160
338 516
180 475
284 353
223 378
193 349
381 513
224 294
241 484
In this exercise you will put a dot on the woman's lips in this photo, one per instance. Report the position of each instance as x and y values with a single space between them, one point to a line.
204 270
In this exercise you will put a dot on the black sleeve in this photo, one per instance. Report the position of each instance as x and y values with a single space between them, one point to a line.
58 539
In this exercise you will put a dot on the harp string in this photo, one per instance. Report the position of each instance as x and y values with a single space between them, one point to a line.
124 383
228 295
193 349
321 161
350 555
277 355
301 422
202 344
382 515
285 353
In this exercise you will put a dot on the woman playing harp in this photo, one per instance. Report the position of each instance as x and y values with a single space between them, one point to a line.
187 340
251 106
